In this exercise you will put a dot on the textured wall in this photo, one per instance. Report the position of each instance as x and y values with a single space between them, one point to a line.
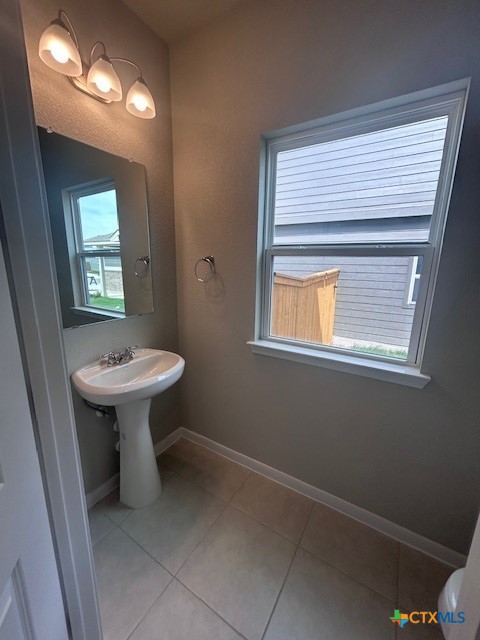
411 456
148 142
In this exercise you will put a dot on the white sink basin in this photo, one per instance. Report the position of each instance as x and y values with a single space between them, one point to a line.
148 374
130 388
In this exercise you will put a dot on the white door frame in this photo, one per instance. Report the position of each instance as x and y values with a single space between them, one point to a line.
25 217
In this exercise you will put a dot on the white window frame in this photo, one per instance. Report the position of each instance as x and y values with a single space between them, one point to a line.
447 100
81 285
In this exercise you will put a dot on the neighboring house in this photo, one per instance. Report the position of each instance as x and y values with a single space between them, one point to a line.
104 273
390 191
103 241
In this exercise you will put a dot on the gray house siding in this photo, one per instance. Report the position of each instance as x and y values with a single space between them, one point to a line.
380 177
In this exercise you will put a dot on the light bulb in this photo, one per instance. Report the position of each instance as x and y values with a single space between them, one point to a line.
103 84
59 51
103 81
140 103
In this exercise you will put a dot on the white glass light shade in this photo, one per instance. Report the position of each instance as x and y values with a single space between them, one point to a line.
102 80
59 52
140 101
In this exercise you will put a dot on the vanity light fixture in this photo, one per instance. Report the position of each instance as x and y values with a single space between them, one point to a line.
59 49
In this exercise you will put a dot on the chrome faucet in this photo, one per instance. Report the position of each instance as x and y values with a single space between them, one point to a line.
110 357
113 358
126 355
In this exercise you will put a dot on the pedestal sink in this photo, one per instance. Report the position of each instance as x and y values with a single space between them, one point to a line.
129 387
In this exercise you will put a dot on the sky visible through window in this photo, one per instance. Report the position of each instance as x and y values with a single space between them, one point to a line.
98 213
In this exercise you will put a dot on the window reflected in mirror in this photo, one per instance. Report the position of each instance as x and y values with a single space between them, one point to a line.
97 242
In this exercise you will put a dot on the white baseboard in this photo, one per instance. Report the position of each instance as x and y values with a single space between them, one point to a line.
103 490
410 538
161 446
112 483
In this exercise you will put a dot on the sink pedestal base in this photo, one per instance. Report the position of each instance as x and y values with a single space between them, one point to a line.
139 477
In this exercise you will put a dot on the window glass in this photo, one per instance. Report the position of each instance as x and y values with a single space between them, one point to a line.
348 302
98 246
374 187
99 221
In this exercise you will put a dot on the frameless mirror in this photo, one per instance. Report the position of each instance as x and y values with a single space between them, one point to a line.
99 222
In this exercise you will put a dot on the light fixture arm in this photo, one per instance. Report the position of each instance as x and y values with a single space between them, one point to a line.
128 62
99 42
65 21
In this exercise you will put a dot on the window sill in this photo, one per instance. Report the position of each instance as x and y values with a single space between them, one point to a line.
388 372
92 311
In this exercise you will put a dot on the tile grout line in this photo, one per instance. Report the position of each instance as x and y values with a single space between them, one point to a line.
195 484
151 607
286 575
341 570
195 595
249 515
203 537
306 523
172 577
145 551
239 489
207 490
361 584
288 572
173 444
94 544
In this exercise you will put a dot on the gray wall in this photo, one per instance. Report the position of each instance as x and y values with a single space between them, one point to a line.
147 142
411 456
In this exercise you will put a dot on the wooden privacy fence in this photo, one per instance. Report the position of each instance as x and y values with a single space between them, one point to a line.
304 307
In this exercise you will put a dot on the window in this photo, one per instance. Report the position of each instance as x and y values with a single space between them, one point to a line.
355 208
97 247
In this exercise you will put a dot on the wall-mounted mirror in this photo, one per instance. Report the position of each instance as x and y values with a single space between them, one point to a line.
99 221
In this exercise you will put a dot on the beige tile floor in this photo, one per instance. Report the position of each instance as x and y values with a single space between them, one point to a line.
226 554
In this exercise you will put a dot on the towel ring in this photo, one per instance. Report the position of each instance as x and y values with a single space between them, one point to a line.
210 260
146 262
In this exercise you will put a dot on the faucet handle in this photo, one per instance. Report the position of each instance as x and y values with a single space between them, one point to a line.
131 349
110 357
127 354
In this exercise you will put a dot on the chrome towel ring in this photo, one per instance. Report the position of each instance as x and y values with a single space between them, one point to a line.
210 260
146 262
